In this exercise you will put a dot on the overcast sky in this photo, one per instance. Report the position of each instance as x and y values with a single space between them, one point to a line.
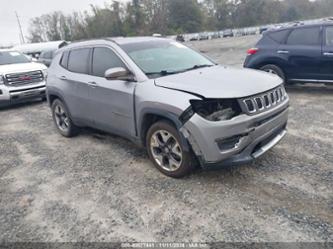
27 9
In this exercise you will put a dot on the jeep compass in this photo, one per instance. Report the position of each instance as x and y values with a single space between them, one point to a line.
184 108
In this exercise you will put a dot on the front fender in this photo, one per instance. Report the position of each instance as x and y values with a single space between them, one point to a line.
162 102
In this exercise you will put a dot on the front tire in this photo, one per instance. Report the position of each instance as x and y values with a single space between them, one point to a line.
273 69
167 152
62 119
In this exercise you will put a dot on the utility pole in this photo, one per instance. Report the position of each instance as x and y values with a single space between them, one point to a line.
20 28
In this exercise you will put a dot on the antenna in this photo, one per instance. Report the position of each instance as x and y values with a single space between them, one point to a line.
20 28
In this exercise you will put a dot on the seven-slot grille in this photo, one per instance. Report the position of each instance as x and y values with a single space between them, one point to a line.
24 78
262 102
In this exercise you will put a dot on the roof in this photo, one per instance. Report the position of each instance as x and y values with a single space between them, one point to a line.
303 24
300 25
39 47
7 50
117 40
128 40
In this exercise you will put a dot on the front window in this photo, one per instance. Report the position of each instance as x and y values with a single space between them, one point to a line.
104 59
161 57
12 57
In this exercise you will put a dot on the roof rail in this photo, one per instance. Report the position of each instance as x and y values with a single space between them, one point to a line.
329 19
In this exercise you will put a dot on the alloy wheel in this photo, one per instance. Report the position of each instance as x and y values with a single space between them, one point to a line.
61 118
166 150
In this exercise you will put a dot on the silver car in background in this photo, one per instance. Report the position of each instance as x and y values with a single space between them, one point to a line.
184 108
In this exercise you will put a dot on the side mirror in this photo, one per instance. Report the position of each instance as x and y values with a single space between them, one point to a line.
118 73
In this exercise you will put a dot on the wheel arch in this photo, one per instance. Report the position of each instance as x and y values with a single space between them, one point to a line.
52 96
150 116
271 61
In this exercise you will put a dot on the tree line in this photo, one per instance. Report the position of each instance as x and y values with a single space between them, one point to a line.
170 17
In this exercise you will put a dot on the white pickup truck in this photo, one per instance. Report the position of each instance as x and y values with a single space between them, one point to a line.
20 78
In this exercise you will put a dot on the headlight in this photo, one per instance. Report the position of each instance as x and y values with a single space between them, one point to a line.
45 73
212 109
2 80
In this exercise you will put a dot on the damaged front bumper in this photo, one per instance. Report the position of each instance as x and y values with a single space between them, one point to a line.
236 141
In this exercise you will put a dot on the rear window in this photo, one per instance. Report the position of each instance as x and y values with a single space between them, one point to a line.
279 36
78 61
304 36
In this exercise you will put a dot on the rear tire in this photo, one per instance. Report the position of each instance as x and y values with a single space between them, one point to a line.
273 69
167 152
62 120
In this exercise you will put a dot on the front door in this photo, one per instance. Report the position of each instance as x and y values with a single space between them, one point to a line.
113 106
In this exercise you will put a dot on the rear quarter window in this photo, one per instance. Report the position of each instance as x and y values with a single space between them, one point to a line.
64 60
279 36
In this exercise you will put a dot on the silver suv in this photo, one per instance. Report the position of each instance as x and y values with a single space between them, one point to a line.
184 108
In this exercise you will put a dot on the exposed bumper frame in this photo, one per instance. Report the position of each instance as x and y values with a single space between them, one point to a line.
270 145
259 133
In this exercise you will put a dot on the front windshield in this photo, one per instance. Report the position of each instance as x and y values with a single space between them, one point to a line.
162 57
12 57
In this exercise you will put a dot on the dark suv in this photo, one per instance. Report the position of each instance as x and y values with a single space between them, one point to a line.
297 54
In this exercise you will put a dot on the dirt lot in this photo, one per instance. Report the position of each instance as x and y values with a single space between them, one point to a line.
97 187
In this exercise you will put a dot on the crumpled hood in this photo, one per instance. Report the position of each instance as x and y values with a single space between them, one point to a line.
221 82
21 68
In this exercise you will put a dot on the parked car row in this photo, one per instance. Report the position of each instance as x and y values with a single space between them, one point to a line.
218 34
206 35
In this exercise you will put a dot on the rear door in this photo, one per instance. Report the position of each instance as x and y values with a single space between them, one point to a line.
77 86
113 100
327 55
302 52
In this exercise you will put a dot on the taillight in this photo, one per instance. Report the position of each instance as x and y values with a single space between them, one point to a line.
252 51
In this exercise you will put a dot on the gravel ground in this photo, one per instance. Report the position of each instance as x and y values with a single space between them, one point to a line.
98 187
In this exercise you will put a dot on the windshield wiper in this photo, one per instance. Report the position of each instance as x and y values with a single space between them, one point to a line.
166 72
198 66
163 73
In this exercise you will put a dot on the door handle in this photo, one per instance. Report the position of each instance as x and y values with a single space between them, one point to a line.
328 54
63 77
283 52
92 84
